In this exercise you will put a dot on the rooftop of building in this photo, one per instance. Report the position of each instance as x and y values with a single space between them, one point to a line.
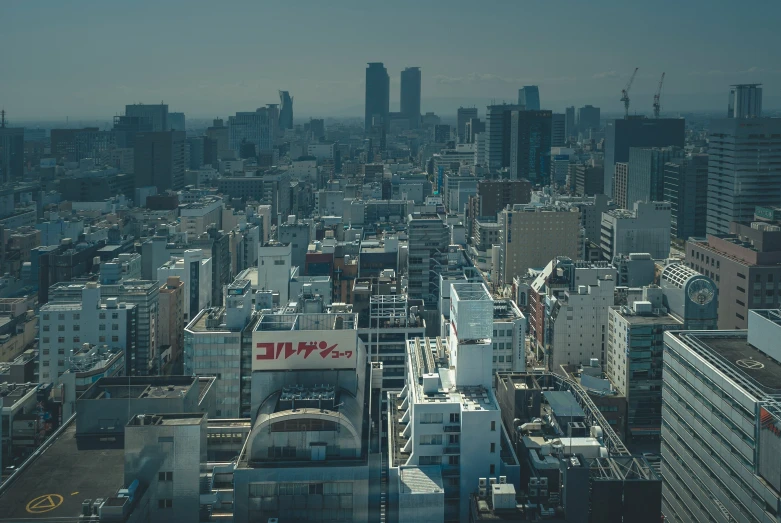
147 420
307 322
136 387
651 318
53 485
506 310
11 393
731 353
420 480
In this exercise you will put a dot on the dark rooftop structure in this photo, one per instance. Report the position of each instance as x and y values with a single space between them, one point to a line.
733 350
53 486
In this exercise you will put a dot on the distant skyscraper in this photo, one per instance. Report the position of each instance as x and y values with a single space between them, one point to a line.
530 143
285 110
11 151
176 121
377 95
645 181
497 130
529 97
441 133
157 114
127 127
410 96
743 169
745 101
686 188
159 160
558 130
624 133
570 122
464 115
257 127
588 118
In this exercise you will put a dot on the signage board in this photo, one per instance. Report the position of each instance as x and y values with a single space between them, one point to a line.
304 350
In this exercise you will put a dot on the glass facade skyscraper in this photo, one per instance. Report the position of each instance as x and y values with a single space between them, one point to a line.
377 94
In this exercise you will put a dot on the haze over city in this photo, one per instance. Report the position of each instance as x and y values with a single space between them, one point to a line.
214 59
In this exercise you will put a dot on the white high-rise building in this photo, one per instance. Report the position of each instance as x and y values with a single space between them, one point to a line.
743 170
745 101
645 229
66 326
509 337
274 261
195 270
448 425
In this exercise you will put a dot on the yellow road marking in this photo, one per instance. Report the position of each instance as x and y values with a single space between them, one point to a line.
44 503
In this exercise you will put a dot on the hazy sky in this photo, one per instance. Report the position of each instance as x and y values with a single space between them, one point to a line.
87 58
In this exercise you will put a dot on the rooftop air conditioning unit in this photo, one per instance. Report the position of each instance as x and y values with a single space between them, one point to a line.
502 480
492 481
482 482
482 492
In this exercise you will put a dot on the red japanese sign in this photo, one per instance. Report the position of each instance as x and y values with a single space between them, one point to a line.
304 350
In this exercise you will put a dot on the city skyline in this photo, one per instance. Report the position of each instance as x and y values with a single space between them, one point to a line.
233 72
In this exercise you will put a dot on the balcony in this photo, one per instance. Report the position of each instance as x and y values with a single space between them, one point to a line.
452 448
452 428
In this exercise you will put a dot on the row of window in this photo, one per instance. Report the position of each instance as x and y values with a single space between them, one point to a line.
76 339
77 316
76 327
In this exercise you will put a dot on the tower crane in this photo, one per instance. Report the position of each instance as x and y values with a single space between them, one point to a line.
657 105
625 93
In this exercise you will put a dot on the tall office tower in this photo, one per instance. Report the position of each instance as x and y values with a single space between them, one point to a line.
534 235
254 127
159 160
634 336
558 130
588 118
428 234
472 128
743 169
285 110
176 122
410 96
645 181
126 128
530 143
721 423
529 97
156 114
589 178
377 105
72 145
745 101
219 148
620 182
441 133
637 131
11 151
570 122
197 150
497 130
464 115
686 188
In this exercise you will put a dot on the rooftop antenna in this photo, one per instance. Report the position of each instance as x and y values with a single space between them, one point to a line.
2 119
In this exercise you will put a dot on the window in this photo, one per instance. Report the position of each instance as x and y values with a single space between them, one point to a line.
165 476
455 417
45 316
102 327
101 339
431 460
61 339
493 425
770 278
45 328
77 327
115 327
77 316
758 278
61 351
114 315
492 469
431 439
279 262
165 503
60 328
493 448
431 417
742 276
454 460
102 316
115 339
61 316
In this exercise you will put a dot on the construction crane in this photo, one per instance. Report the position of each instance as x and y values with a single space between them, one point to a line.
625 93
657 96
